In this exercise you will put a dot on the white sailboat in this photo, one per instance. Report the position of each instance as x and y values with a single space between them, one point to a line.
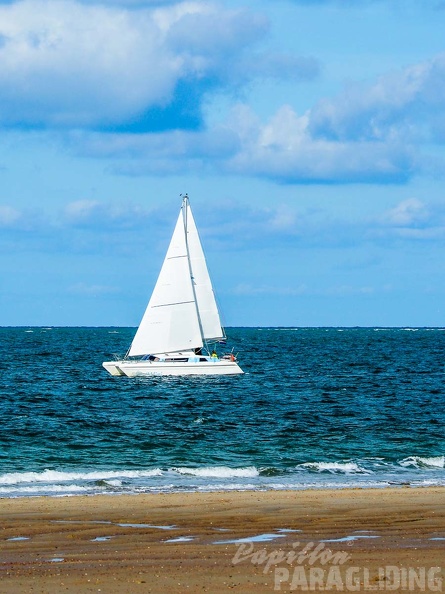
181 321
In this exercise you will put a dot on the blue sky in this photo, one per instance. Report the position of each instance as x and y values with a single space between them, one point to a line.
309 135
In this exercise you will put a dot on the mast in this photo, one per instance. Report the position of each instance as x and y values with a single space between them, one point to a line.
186 206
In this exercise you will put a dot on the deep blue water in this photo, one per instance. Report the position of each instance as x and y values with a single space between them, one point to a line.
325 407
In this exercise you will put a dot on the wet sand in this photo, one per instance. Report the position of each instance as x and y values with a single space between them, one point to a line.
168 543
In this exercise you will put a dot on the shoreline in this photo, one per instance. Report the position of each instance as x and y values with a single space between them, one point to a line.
183 542
412 471
222 491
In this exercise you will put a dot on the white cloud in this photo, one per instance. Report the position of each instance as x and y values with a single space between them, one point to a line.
99 215
405 106
377 133
411 220
426 234
284 218
407 213
86 65
285 150
158 152
81 210
281 149
106 227
367 134
19 219
63 63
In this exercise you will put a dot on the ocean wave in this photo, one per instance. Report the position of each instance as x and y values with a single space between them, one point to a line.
335 467
44 490
116 477
423 462
218 471
52 476
347 473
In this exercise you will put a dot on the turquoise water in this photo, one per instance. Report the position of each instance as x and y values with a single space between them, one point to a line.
325 407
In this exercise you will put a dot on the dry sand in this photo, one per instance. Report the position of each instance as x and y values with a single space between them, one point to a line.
119 544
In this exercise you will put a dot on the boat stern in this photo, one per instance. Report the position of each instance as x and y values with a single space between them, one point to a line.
112 367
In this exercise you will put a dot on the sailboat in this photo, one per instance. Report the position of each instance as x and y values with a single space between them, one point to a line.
181 326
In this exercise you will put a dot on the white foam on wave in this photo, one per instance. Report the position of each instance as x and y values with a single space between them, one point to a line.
219 471
423 462
114 483
56 476
335 467
43 489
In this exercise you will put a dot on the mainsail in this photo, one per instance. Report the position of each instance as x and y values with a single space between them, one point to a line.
182 311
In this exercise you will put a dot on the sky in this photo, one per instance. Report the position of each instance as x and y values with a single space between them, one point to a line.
308 134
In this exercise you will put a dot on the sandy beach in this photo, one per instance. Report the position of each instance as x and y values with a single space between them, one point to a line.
183 542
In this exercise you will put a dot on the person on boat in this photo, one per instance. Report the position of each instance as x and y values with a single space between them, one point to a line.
214 355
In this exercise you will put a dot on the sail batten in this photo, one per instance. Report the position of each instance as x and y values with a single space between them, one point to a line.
182 311
170 304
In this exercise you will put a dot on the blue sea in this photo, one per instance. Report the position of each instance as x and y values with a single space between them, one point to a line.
316 408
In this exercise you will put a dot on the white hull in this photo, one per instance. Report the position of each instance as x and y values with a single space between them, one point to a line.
112 368
147 368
